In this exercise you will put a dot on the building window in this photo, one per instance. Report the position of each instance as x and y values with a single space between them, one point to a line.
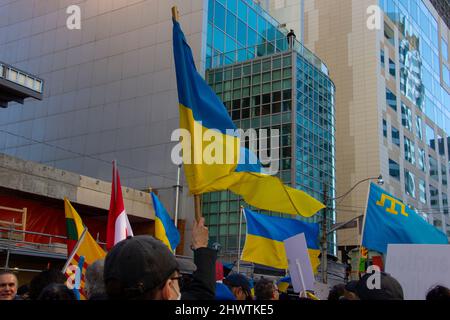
434 197
434 173
444 174
384 128
406 117
422 191
392 68
444 50
419 134
389 34
394 169
395 136
382 58
421 160
410 155
446 75
441 146
391 99
410 186
437 223
445 203
431 139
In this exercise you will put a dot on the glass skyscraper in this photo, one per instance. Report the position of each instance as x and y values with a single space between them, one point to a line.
424 99
265 85
392 102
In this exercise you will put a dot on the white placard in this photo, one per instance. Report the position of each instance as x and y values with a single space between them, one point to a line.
321 290
418 267
300 268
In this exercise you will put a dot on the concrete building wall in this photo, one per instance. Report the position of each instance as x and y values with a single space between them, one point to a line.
110 88
337 32
289 12
41 180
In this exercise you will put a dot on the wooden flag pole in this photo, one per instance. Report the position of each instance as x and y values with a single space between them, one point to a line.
175 13
197 197
198 207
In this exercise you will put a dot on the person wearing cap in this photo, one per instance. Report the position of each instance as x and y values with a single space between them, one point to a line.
239 285
390 288
223 293
143 268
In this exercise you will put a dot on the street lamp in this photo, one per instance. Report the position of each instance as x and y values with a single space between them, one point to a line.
380 182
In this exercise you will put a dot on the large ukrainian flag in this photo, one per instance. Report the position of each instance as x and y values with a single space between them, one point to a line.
265 235
200 111
165 229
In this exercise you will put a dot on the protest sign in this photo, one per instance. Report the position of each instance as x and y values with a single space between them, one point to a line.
418 267
300 268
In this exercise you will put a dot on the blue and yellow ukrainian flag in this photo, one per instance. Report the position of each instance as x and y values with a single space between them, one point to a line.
284 283
165 229
265 235
389 220
202 111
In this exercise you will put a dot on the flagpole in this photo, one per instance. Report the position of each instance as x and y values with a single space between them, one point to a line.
75 249
197 197
198 207
175 13
115 178
300 270
362 229
177 195
239 240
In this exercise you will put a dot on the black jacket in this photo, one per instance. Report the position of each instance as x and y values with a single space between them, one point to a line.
203 285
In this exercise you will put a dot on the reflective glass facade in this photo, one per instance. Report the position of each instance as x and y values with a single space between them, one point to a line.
265 85
425 101
240 30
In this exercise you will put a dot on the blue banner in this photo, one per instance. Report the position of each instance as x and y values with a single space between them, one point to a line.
389 220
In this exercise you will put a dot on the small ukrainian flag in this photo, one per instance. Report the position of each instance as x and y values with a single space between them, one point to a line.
265 235
165 229
283 284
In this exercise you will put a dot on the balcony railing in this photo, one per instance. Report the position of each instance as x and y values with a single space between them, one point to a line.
14 240
21 78
265 49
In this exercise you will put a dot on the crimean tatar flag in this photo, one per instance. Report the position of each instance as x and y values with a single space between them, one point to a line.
389 220
212 155
165 229
85 251
265 235
119 227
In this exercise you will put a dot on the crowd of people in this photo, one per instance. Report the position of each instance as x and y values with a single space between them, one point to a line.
143 268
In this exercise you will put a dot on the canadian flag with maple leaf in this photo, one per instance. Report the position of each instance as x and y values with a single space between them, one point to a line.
119 227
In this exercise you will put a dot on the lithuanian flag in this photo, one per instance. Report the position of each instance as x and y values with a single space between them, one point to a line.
82 248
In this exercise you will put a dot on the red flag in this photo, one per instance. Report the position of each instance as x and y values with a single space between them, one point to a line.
119 227
378 261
